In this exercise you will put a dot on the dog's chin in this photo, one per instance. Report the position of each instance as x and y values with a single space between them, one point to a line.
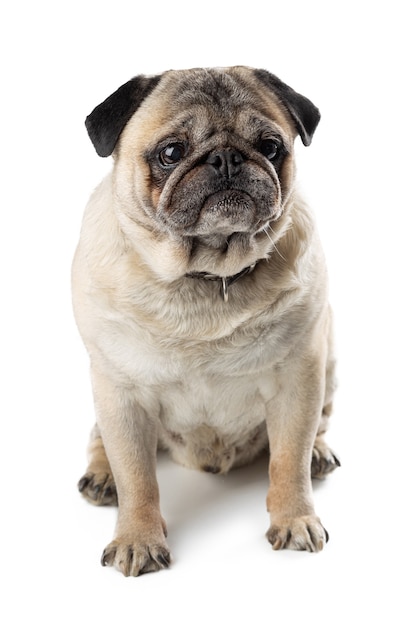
222 255
225 237
226 217
227 213
220 241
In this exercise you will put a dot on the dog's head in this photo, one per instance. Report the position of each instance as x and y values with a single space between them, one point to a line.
204 157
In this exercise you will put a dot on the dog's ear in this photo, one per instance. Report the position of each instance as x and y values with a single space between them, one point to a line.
305 115
107 120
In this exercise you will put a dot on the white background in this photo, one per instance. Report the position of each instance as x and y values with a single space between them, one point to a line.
356 61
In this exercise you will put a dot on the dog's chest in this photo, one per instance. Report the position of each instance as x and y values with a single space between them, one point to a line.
229 404
219 381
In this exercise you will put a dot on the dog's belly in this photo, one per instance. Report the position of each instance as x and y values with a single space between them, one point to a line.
216 423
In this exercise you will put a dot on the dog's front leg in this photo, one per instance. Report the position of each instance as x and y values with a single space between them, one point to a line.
130 441
291 430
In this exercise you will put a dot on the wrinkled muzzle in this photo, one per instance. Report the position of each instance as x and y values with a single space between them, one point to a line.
224 193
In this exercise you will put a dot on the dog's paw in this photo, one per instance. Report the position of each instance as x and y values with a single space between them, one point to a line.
98 488
134 558
323 460
300 533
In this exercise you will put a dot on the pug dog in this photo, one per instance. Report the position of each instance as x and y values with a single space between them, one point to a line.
200 292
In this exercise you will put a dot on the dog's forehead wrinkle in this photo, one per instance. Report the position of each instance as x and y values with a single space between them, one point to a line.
199 126
217 89
207 101
202 125
227 97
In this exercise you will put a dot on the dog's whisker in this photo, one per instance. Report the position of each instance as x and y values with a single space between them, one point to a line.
272 241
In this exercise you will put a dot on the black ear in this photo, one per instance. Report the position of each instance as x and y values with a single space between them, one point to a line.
303 112
107 120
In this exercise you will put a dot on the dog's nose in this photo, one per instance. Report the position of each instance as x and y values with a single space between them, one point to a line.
228 162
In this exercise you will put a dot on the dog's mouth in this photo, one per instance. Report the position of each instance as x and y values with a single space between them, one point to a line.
225 213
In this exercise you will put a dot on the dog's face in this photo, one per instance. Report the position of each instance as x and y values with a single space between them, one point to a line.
204 158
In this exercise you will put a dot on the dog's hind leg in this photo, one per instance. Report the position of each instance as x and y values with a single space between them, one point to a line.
97 485
323 459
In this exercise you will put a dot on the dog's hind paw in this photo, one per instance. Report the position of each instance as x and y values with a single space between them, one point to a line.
98 488
323 460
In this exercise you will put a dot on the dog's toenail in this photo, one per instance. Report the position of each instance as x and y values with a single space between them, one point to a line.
213 469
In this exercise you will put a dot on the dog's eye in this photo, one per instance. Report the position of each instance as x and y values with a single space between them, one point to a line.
269 148
172 154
